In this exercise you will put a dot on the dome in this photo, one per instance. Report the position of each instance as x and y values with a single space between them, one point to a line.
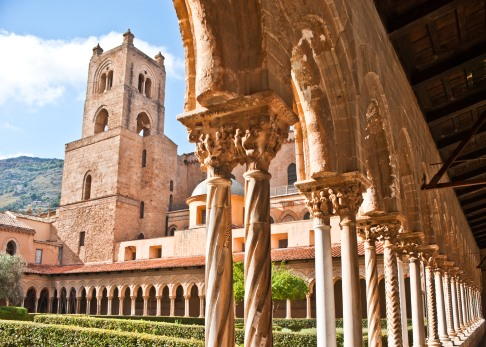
236 189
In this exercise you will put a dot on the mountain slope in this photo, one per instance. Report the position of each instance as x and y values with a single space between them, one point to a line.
30 182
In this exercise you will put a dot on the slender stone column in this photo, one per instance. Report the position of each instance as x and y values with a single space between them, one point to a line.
288 309
120 306
159 305
49 304
441 314
463 306
451 332
433 337
133 304
393 313
145 305
403 303
416 301
319 206
219 264
172 305
110 304
201 306
88 305
98 305
258 289
455 306
308 298
462 327
187 299
36 304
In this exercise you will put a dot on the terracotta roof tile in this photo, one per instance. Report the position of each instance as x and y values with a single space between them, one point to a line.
295 253
34 218
9 222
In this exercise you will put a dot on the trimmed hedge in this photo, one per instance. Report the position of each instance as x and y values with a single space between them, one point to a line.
139 326
14 313
280 339
28 334
166 319
294 324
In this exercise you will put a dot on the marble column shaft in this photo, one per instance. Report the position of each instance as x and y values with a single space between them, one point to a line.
403 303
417 303
393 314
441 314
455 305
372 293
448 305
258 265
432 336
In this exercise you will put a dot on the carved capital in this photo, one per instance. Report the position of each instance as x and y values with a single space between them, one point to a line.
381 227
429 254
319 205
247 130
409 243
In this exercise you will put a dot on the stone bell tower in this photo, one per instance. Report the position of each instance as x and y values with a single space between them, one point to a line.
115 184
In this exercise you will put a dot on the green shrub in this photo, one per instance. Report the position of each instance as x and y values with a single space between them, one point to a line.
294 324
139 326
14 313
28 334
167 319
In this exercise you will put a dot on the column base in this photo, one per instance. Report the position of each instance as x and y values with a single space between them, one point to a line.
434 343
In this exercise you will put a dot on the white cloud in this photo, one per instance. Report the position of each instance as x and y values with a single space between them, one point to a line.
14 155
10 127
36 71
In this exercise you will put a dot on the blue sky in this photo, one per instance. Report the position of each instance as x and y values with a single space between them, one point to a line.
46 46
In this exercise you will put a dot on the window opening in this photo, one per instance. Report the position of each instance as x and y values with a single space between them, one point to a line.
291 174
142 209
171 186
140 83
38 256
144 158
203 216
148 88
101 123
82 235
11 248
87 188
284 243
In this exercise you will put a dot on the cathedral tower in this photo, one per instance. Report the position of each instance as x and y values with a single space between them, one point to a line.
116 182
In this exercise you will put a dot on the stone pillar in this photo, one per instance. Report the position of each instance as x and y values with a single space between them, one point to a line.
133 304
430 263
187 299
120 306
109 307
145 305
393 312
159 305
258 270
36 304
403 303
441 313
172 305
288 310
462 327
308 305
244 130
462 293
346 201
88 305
372 289
49 304
201 306
416 301
448 305
320 208
455 306
98 305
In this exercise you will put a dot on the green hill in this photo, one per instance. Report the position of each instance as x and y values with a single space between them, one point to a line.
26 181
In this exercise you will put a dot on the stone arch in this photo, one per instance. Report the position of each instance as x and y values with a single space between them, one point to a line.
101 120
144 124
165 294
71 300
378 146
11 246
304 214
179 302
288 216
63 298
409 187
194 306
87 185
145 81
100 83
43 302
30 301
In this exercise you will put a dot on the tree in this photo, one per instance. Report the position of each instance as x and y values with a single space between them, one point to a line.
11 272
285 284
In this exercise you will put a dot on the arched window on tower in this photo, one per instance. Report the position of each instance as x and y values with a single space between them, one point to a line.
101 122
148 88
141 81
291 174
307 215
142 209
11 248
109 82
87 188
102 83
171 186
171 202
144 158
143 124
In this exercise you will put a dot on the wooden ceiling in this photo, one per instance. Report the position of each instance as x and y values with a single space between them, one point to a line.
442 48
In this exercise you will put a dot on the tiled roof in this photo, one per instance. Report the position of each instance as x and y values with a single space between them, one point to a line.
295 253
8 222
33 218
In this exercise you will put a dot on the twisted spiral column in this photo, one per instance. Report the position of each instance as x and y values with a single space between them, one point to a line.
219 327
393 313
460 311
433 338
465 322
258 289
372 294
455 305
448 305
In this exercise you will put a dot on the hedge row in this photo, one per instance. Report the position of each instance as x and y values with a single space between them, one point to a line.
14 313
168 329
294 324
28 334
166 319
139 326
